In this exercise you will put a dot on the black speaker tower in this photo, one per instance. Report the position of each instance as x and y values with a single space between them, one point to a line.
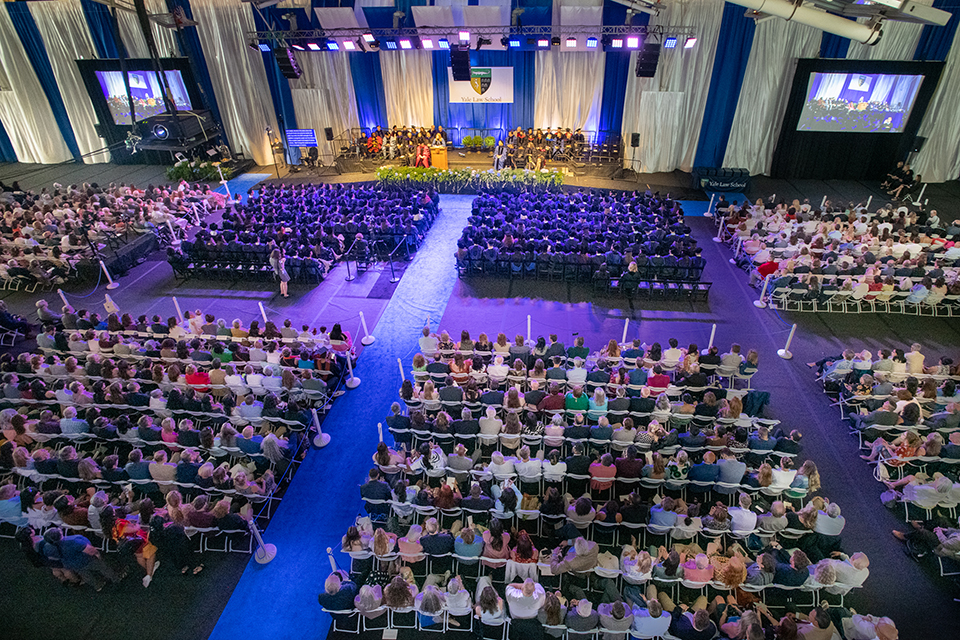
647 59
287 63
460 62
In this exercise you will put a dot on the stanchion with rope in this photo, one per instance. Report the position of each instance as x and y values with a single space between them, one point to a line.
403 375
265 552
528 327
346 254
321 439
762 303
367 339
353 381
63 297
709 213
263 312
380 431
176 305
626 323
785 352
713 332
110 283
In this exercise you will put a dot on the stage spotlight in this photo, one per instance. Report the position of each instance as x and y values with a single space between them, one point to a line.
616 43
333 45
464 36
160 132
633 42
515 43
427 43
571 42
253 45
264 47
313 46
298 46
690 43
368 37
591 43
405 44
543 42
348 45
670 42
444 43
481 42
392 45
555 41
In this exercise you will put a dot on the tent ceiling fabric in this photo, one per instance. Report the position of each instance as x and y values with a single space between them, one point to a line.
337 17
939 160
495 16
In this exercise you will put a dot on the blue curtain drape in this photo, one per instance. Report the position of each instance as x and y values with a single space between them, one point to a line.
279 85
7 154
100 23
498 118
733 51
833 46
615 73
32 42
368 87
190 44
934 42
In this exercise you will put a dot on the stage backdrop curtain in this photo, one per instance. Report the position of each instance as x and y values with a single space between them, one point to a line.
368 87
323 97
25 112
408 87
615 69
766 88
132 35
7 152
934 42
899 41
67 39
238 77
733 50
939 160
569 87
100 24
834 46
680 73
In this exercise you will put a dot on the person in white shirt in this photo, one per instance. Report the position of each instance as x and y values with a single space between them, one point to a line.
271 382
490 426
672 356
852 571
429 342
742 519
732 359
529 469
577 376
500 466
782 476
651 621
525 600
914 360
829 521
866 627
257 354
497 372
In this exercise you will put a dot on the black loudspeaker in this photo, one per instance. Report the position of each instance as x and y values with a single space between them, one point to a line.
460 62
287 63
328 133
647 59
634 139
918 143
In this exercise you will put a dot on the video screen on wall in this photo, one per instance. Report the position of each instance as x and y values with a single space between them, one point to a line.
146 93
858 102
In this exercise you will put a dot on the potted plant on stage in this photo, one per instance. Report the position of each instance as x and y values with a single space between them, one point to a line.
472 143
488 143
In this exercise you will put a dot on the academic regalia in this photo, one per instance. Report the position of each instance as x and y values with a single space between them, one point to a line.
499 157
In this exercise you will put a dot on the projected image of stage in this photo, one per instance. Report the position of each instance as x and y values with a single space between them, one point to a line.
858 102
146 93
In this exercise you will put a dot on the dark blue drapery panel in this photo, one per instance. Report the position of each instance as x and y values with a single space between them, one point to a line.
37 53
279 85
615 70
7 154
934 42
733 51
368 86
191 46
833 46
496 117
100 23
379 17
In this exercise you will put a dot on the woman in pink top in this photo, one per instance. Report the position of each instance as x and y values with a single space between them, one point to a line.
602 473
496 545
410 547
698 569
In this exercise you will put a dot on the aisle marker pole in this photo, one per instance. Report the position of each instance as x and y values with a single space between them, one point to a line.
352 382
321 439
761 303
110 283
367 338
63 297
785 352
626 323
402 374
263 312
177 306
265 552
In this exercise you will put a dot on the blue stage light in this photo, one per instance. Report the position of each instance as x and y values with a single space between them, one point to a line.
670 43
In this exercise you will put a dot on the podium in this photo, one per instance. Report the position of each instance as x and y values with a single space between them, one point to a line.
438 157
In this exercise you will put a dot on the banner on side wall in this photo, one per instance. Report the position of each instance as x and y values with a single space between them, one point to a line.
487 84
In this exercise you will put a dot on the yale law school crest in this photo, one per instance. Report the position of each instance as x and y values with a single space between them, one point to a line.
480 80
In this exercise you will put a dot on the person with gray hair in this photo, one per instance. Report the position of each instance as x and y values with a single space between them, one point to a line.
369 600
338 594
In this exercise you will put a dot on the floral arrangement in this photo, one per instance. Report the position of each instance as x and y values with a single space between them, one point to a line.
195 171
460 180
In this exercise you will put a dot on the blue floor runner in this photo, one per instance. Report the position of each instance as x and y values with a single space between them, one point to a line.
241 184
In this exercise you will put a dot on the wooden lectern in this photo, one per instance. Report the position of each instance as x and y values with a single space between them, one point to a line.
438 157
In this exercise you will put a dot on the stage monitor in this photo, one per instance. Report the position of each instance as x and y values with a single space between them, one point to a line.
858 102
146 93
301 137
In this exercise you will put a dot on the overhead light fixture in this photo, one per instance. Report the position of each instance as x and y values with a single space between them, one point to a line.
444 43
555 41
690 43
616 43
515 42
633 42
368 37
481 42
313 46
426 43
405 44
348 45
333 45
264 47
571 42
670 42
591 43
543 42
298 46
392 45
254 45
464 36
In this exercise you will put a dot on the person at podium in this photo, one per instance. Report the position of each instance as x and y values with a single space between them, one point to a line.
499 156
423 156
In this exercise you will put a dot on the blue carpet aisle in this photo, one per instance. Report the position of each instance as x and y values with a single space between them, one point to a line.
241 184
279 600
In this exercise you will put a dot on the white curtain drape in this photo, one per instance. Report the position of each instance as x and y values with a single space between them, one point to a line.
766 87
684 72
24 110
568 91
831 86
939 160
324 97
408 87
132 36
66 38
238 76
661 131
881 88
899 41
